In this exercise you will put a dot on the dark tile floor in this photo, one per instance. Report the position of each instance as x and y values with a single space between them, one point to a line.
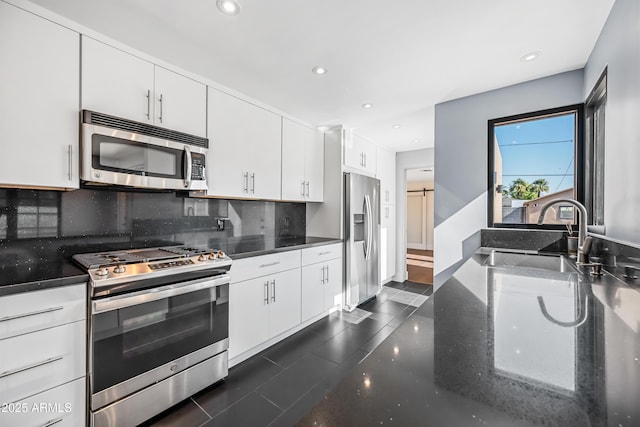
280 385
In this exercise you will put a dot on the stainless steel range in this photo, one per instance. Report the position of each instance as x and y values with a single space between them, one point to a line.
159 329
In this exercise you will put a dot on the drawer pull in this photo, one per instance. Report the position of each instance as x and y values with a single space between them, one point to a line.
270 264
52 422
34 365
33 313
324 253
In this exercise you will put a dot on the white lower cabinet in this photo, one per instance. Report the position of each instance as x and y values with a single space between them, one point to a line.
263 307
321 280
62 406
321 288
43 357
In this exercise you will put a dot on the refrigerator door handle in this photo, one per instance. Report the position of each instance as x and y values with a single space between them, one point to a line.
367 202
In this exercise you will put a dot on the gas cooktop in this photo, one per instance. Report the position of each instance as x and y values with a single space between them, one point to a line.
114 267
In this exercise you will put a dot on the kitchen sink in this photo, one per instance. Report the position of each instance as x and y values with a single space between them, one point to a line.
557 263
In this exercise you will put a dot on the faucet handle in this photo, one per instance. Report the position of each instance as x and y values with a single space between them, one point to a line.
586 245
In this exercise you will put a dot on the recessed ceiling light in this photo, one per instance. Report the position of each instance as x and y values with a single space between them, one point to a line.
367 105
228 7
396 126
319 70
530 56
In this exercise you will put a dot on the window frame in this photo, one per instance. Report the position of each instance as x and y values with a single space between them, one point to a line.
579 178
595 152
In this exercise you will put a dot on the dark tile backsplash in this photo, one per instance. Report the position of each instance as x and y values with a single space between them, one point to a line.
38 225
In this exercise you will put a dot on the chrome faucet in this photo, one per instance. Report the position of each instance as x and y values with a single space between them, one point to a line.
584 241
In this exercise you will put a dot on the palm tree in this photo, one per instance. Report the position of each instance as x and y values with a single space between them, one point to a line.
539 186
521 190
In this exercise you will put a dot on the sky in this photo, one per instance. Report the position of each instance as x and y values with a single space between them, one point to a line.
542 148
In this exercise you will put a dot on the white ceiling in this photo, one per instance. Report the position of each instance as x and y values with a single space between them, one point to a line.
402 56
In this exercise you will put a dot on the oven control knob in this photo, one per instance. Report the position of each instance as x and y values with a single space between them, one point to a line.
221 254
102 271
119 269
202 257
212 255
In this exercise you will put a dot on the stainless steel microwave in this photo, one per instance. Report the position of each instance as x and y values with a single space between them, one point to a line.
116 151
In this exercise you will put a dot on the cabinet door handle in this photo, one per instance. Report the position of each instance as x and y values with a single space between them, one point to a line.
161 104
269 264
253 182
365 159
327 278
266 292
386 195
33 365
33 313
302 188
361 160
245 189
70 153
322 275
52 422
148 104
273 297
307 188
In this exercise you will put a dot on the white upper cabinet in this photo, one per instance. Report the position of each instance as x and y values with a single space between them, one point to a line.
180 103
244 158
386 173
359 154
39 101
302 162
118 83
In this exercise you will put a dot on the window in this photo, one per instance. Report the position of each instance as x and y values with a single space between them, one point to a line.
534 159
565 212
594 166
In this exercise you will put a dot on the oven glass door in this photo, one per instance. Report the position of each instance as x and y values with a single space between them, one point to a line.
136 158
132 340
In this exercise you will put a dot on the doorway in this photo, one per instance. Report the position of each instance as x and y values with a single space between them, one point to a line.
420 225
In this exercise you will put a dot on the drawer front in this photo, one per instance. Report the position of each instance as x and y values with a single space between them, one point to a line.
63 406
34 311
38 361
321 253
264 265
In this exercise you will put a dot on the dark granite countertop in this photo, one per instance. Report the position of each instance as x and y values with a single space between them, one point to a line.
244 247
37 276
502 346
54 273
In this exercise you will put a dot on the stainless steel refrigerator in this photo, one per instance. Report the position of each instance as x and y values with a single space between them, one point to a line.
361 239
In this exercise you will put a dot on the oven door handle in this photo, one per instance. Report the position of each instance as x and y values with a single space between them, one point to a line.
148 295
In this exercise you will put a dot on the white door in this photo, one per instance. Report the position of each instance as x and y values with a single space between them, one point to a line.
116 83
313 288
180 103
314 166
416 221
248 315
294 140
39 96
333 284
284 301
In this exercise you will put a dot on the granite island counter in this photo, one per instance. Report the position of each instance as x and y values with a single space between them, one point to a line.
502 346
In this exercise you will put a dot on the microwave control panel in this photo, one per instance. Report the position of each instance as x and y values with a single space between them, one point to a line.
197 167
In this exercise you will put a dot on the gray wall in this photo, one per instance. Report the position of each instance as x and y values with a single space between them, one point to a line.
461 159
618 48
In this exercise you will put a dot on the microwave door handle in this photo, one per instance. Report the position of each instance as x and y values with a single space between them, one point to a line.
187 167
